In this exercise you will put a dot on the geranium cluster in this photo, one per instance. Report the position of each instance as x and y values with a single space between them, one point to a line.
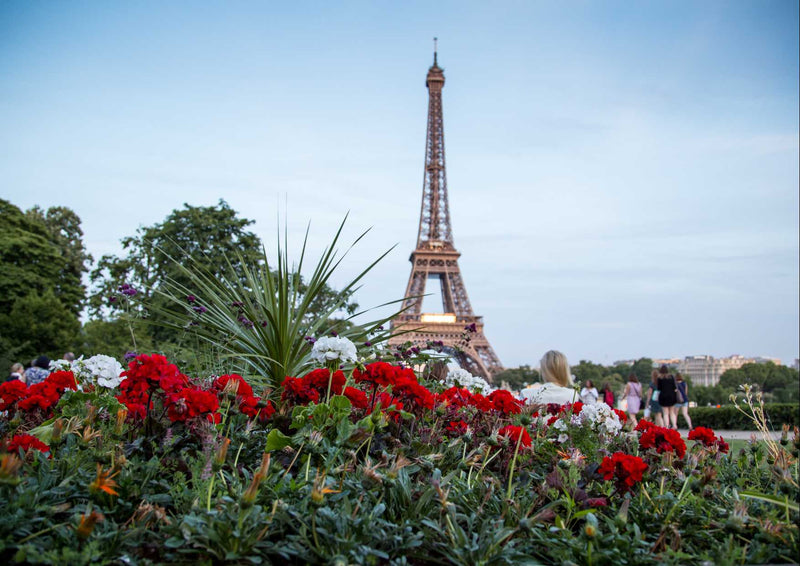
26 442
239 390
38 399
101 370
707 438
624 469
660 439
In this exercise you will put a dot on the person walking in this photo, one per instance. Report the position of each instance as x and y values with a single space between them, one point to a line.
652 406
633 395
683 399
668 397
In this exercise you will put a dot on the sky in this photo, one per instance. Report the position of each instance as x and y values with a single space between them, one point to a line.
623 176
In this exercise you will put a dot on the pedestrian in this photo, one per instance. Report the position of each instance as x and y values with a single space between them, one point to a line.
668 397
38 372
683 399
633 395
608 396
589 394
651 404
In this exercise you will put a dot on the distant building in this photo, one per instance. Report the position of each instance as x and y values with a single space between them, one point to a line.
670 362
796 364
706 370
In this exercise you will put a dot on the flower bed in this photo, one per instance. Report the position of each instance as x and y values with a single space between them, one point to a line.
368 465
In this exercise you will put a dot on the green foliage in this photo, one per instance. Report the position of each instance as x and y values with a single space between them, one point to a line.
728 417
215 241
779 384
41 292
517 378
64 229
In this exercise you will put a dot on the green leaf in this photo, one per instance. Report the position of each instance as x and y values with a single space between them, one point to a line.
276 440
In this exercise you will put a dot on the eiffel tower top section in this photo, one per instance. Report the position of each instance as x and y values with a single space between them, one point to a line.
435 231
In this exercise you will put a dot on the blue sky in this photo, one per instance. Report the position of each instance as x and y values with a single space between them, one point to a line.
623 176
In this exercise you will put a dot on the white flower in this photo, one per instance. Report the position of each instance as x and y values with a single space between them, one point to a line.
562 438
560 425
100 369
601 418
331 348
462 378
60 365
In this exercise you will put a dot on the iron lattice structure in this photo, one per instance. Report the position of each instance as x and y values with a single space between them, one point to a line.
436 257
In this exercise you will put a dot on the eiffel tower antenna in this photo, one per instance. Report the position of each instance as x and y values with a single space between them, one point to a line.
435 257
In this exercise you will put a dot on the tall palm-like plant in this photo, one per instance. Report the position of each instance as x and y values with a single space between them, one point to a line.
262 315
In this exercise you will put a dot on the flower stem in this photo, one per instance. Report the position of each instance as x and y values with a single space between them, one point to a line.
513 463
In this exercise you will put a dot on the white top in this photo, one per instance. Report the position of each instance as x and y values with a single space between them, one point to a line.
550 393
589 396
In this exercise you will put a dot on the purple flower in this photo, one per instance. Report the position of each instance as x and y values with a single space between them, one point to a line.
112 300
199 309
471 328
310 339
237 304
264 324
129 356
190 298
367 344
334 333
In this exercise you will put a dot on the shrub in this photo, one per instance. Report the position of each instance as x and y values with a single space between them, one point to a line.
728 417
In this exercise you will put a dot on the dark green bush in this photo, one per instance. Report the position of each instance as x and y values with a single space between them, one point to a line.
728 417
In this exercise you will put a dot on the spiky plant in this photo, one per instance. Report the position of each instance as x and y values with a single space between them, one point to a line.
261 316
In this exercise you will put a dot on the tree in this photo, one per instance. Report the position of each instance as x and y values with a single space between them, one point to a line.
643 368
31 262
586 370
64 229
517 378
778 383
39 305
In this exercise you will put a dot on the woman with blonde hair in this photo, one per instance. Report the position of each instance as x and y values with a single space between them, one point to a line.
557 386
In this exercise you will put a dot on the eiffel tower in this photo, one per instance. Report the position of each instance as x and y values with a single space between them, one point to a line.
435 257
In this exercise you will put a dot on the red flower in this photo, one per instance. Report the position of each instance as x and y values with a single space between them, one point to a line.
318 380
722 446
357 397
504 402
704 435
233 382
407 388
378 374
42 396
457 428
623 418
252 406
515 434
27 442
626 470
157 372
643 425
11 392
552 420
296 391
663 440
61 381
189 403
